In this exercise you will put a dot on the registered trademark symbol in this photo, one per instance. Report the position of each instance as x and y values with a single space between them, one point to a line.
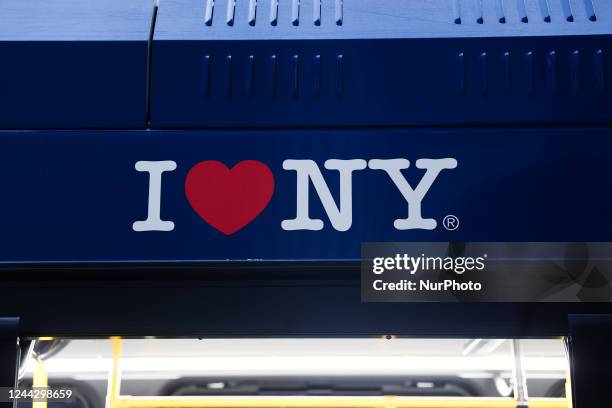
450 222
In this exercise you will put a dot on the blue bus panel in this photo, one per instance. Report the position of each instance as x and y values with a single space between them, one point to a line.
364 63
73 64
295 195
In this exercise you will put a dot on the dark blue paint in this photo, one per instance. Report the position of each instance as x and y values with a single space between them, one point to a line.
73 85
73 196
83 65
74 64
372 82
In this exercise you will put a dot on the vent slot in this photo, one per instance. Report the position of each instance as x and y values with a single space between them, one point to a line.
249 79
507 72
483 72
316 12
272 76
295 12
273 12
522 10
499 10
567 11
575 71
479 15
456 12
228 76
339 75
461 73
317 70
551 70
206 76
231 10
590 10
339 17
545 11
599 71
208 12
252 12
530 71
295 75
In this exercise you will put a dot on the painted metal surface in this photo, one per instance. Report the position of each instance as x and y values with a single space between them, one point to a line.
74 196
73 64
391 82
75 20
68 85
386 63
82 65
364 19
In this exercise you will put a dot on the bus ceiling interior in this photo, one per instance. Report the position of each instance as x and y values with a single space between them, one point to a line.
299 372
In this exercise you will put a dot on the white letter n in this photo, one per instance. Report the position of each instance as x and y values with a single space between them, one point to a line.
341 218
153 221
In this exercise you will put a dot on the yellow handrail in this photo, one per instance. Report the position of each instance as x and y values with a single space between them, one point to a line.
40 380
114 381
329 402
115 400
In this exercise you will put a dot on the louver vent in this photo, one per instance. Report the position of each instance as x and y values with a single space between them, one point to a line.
266 11
526 10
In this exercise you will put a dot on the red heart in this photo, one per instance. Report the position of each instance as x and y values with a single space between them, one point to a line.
229 199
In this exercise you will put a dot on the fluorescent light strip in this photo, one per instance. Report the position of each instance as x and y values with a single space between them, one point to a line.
306 365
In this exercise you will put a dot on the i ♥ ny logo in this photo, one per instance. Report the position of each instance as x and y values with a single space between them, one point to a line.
228 199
